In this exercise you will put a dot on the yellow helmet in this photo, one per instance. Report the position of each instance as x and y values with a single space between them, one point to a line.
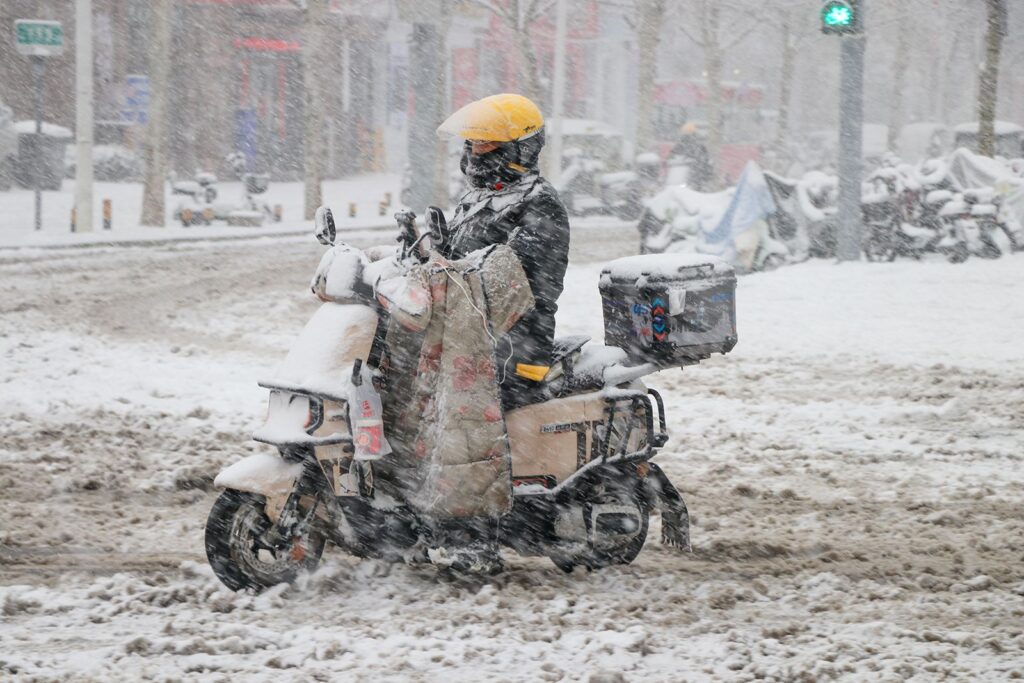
498 118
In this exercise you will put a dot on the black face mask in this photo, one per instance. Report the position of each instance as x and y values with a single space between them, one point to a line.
484 170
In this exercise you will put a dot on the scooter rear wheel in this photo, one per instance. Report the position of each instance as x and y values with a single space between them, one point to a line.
623 553
236 524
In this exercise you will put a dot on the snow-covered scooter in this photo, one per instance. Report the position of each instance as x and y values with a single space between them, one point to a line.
583 486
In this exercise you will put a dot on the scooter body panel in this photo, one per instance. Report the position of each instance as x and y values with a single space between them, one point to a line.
551 440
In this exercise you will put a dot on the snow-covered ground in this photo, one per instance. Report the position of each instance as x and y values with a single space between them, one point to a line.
854 469
17 212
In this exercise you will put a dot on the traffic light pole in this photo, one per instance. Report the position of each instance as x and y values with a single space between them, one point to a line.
851 136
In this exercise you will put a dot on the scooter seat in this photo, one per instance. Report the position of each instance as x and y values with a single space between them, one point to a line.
565 346
564 352
577 368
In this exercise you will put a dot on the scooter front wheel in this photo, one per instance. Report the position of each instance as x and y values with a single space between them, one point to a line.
238 554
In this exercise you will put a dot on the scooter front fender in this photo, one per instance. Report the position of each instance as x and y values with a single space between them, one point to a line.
675 518
261 473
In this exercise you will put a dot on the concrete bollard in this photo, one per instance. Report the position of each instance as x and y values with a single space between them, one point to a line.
107 214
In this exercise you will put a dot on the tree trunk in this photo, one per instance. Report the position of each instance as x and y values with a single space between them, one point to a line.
951 85
427 91
534 89
651 15
312 82
899 69
989 83
713 59
786 82
153 208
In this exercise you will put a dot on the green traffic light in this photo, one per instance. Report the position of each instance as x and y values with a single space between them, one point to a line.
838 15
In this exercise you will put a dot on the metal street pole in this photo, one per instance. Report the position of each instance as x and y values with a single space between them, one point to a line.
851 136
38 74
83 115
425 66
558 94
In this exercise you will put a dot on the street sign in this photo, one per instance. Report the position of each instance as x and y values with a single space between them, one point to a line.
39 38
137 95
841 17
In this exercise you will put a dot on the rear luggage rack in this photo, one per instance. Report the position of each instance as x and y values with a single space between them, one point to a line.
612 452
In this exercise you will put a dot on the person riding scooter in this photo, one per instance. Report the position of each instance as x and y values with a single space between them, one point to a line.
508 207
510 203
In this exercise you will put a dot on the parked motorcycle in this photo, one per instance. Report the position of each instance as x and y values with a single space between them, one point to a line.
972 218
585 188
805 216
250 210
680 219
892 212
583 482
196 199
201 204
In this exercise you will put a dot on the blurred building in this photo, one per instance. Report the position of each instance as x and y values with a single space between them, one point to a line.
236 80
236 75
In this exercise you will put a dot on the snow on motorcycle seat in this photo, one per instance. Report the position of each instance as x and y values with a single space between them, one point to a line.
669 310
577 366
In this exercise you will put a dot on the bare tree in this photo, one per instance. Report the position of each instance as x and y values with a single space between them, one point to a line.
520 16
792 34
899 71
988 86
155 154
650 17
710 39
789 40
312 85
428 72
646 18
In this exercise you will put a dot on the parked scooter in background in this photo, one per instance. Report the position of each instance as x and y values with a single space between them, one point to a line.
586 189
578 187
734 224
195 198
805 215
200 201
891 209
972 218
251 211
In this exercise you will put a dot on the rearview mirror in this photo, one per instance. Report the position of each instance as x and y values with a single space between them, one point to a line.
325 230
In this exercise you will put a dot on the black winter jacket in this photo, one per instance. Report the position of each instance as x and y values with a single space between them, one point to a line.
529 217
